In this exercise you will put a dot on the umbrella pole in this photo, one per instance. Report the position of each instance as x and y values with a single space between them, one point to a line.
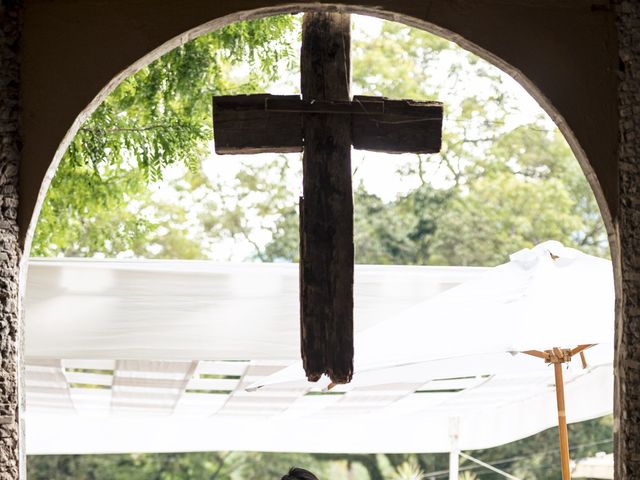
562 422
557 357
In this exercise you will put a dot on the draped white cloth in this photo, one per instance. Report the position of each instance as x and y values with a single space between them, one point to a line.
185 310
545 297
157 356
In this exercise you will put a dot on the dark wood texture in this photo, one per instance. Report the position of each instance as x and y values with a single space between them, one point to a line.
371 106
326 256
273 123
327 122
242 125
404 126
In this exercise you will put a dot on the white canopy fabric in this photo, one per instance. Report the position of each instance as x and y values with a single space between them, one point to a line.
156 356
186 310
545 297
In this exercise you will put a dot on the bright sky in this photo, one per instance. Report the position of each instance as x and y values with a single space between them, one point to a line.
377 171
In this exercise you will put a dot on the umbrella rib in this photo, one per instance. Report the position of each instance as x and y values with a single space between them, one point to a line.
536 353
581 348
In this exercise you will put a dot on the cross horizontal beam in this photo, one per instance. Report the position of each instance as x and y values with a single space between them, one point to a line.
273 123
326 123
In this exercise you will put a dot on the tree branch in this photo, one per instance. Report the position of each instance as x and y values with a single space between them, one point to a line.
108 131
220 465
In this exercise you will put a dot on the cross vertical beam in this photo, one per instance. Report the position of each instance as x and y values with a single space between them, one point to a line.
324 123
326 208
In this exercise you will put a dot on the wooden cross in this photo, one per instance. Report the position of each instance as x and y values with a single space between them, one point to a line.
325 123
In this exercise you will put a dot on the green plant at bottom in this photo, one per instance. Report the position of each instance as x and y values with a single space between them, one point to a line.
468 476
409 470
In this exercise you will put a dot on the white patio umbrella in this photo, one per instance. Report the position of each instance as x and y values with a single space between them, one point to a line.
550 301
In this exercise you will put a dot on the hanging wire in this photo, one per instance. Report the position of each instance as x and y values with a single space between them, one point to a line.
473 468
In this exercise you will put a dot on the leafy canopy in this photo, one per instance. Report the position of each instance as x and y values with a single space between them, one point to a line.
100 197
498 184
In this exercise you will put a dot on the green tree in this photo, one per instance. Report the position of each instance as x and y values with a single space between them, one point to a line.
85 212
497 185
170 466
538 457
157 117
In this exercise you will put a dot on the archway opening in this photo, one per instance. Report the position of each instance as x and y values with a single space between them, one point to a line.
417 205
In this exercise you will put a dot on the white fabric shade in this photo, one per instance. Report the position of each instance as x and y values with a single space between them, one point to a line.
186 310
423 427
157 356
545 297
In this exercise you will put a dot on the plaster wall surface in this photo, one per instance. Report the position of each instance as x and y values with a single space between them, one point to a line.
9 253
564 51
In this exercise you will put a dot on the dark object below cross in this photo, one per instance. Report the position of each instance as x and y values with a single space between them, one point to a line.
299 474
324 124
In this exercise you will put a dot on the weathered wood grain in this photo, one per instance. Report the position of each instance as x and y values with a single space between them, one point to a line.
404 126
327 255
243 125
374 106
326 122
273 123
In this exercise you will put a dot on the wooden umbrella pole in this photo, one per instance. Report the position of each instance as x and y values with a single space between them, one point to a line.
562 422
558 356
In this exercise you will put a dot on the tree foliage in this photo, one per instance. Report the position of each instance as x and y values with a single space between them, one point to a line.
170 466
497 185
157 117
533 458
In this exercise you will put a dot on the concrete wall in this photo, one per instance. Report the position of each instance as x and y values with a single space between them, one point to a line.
628 324
9 253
